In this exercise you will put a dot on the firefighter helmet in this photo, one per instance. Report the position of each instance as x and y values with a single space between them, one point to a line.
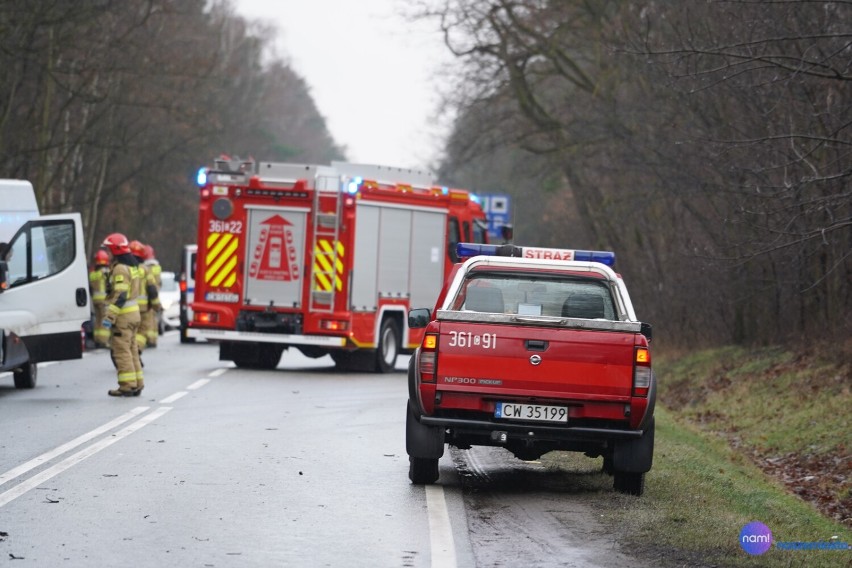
117 244
138 249
101 258
149 252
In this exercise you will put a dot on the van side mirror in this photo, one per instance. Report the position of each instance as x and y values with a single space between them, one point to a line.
419 318
4 275
645 329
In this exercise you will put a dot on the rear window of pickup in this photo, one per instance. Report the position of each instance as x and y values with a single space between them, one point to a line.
536 295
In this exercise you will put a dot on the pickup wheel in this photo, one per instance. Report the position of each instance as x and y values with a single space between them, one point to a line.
25 377
629 483
388 348
423 471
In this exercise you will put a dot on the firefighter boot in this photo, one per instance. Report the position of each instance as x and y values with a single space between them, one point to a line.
124 389
139 386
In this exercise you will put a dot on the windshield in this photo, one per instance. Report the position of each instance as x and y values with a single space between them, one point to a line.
536 295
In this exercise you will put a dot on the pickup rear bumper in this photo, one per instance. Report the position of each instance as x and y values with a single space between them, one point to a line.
533 431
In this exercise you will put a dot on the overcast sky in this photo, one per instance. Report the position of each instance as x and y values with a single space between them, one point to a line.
370 72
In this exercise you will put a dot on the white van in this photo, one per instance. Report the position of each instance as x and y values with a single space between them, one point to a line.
44 289
17 206
187 290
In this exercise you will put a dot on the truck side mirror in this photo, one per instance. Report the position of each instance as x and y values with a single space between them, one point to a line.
646 330
419 318
4 275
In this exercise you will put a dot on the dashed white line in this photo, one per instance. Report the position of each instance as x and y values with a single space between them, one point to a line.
218 372
74 459
443 548
174 397
198 384
47 456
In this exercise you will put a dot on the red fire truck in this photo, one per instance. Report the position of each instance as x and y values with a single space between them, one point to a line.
327 259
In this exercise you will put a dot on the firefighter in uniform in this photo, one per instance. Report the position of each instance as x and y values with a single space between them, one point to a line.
137 249
122 316
155 282
98 277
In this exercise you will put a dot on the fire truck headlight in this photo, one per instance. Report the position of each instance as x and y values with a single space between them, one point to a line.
201 177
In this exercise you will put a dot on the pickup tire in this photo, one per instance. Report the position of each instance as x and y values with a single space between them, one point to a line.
629 483
26 376
388 349
423 471
422 441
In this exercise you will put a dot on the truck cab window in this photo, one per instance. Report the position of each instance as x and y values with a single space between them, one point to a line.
453 238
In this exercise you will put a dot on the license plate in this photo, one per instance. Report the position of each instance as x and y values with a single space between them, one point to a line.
537 412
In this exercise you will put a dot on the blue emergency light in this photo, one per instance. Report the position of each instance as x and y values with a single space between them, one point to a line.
467 250
354 184
201 177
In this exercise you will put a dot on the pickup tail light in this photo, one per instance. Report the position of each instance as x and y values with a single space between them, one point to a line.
641 371
428 362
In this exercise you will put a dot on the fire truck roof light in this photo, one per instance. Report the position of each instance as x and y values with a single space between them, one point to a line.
467 250
354 184
201 177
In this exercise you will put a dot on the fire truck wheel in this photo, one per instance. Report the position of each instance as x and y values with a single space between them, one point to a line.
263 356
388 349
423 471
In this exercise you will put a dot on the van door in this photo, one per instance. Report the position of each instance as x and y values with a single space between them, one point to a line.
44 300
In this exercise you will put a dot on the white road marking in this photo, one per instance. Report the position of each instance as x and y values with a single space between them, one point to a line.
440 531
174 397
198 384
74 459
47 456
218 372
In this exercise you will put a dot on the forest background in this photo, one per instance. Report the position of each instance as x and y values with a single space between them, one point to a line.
708 143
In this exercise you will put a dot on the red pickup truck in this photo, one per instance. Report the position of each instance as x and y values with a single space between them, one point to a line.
534 350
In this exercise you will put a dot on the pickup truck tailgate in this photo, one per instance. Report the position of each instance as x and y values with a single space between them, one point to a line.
534 361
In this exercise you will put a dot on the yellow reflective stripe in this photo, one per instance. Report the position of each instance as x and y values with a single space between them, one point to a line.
126 309
221 259
323 283
99 296
322 264
127 376
228 270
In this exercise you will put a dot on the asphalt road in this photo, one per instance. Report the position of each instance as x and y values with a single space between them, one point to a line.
301 466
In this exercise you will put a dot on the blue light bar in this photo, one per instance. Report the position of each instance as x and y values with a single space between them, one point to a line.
467 250
201 177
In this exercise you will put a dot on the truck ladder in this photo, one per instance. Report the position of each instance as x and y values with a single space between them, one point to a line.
327 250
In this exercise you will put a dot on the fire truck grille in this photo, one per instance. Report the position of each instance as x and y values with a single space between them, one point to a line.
266 322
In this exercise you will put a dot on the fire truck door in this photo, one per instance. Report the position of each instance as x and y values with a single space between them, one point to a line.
275 256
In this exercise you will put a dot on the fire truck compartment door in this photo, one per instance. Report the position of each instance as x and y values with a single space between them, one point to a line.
398 254
275 256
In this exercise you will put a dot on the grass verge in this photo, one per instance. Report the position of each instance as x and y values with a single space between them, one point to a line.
732 410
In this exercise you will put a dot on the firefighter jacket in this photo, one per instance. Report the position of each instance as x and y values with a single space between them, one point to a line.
153 283
98 277
142 293
124 285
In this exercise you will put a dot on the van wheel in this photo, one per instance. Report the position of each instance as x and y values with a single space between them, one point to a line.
423 471
388 349
25 377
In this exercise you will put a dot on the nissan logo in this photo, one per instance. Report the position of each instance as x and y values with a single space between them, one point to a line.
535 359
